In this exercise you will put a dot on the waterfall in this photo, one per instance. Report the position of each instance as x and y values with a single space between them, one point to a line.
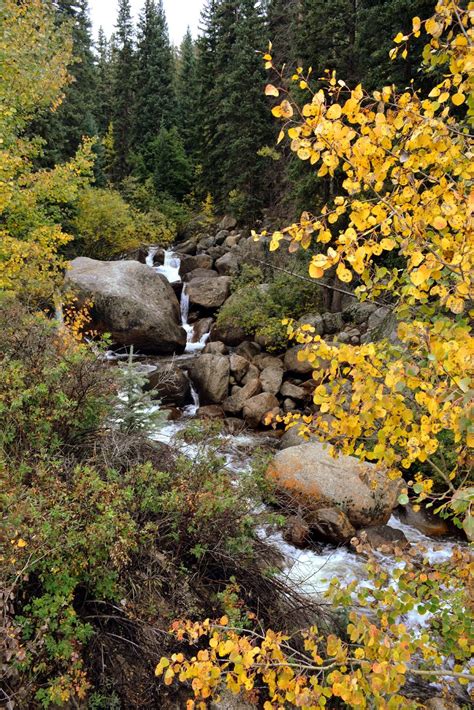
150 258
192 409
170 267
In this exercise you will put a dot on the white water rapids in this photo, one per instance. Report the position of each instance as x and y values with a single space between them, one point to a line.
170 270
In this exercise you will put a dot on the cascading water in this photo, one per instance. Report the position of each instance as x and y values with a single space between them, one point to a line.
170 270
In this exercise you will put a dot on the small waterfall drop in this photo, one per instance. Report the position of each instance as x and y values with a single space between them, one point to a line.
170 267
192 409
150 258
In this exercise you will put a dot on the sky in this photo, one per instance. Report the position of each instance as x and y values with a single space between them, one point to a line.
180 14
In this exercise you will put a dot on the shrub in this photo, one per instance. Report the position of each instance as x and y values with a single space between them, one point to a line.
106 226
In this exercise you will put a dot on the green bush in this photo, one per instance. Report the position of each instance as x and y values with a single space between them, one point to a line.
106 226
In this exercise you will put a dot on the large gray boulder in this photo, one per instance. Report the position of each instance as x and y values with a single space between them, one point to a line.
294 364
169 384
229 264
131 301
210 375
257 407
310 477
209 292
236 402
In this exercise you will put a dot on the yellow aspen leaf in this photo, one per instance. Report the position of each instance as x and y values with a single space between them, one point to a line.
334 112
419 276
21 543
316 272
439 222
281 136
458 99
400 37
271 90
343 273
416 24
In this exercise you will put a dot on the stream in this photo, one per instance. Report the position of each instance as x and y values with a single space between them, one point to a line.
309 571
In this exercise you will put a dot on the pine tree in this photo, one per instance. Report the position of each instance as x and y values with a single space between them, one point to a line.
234 115
172 173
103 102
155 97
187 95
64 129
123 94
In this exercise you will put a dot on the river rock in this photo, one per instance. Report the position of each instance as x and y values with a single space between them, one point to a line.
308 474
235 403
296 531
383 538
291 437
228 264
228 222
130 301
331 524
238 366
221 236
315 320
253 373
211 411
191 263
292 391
293 364
229 334
232 240
200 328
289 405
210 375
358 312
333 323
264 360
248 349
209 292
169 384
422 520
271 379
257 407
216 348
200 274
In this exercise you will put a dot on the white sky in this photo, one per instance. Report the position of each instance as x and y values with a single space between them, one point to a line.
180 14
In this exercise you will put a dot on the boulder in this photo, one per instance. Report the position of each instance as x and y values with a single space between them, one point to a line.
210 375
257 407
358 312
216 348
271 379
422 520
130 301
308 474
200 274
229 334
238 366
333 323
383 538
296 531
232 240
209 292
381 324
228 222
235 403
228 265
291 437
191 263
248 349
292 391
234 425
211 411
253 373
293 364
169 384
315 320
264 360
200 328
221 236
331 524
289 405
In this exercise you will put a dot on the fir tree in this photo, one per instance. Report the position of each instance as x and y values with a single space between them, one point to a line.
187 95
123 96
155 98
103 103
64 129
172 173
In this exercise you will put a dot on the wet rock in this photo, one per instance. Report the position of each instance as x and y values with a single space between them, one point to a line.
228 222
169 384
131 301
310 476
383 538
211 411
293 364
191 263
331 524
229 334
210 375
296 531
201 327
216 348
257 407
200 274
209 292
333 323
248 349
240 395
422 520
292 391
271 379
228 264
234 425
